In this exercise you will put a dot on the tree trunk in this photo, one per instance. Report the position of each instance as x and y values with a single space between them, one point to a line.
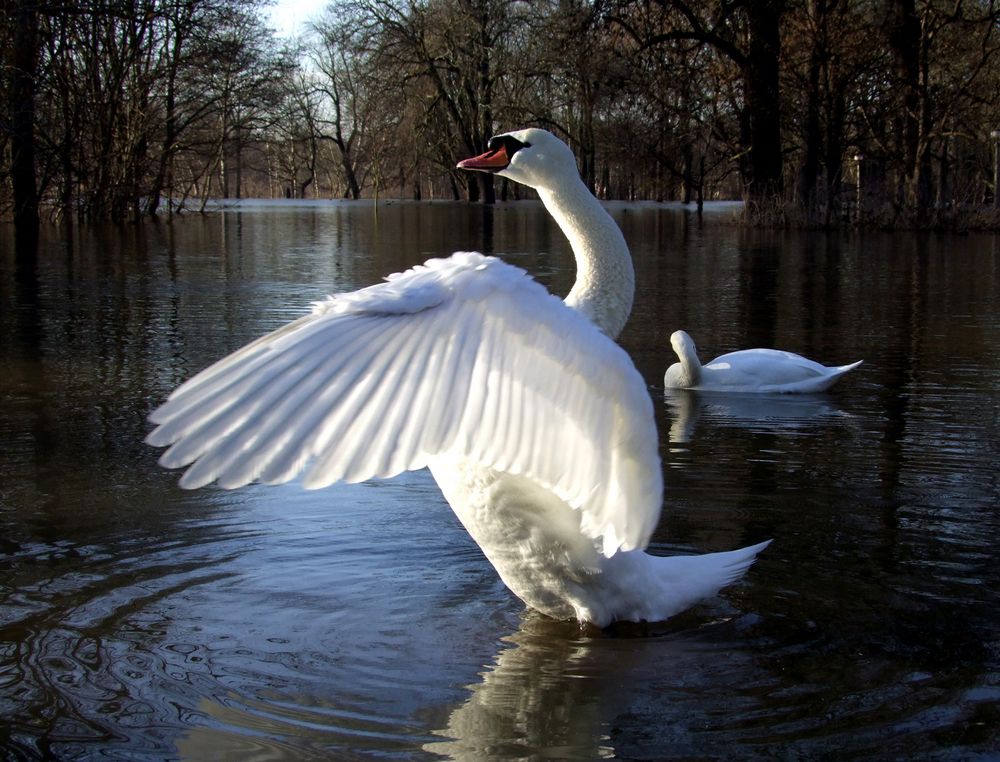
904 35
760 77
688 178
472 185
809 174
22 119
166 158
223 171
353 189
238 141
487 191
837 114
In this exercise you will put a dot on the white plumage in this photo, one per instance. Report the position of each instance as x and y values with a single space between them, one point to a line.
535 424
764 371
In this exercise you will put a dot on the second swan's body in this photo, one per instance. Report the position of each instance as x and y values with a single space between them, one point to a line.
763 371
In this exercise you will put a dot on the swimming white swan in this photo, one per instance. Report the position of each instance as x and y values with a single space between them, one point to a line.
765 371
535 424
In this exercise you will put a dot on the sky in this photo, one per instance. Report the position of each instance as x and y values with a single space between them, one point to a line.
286 16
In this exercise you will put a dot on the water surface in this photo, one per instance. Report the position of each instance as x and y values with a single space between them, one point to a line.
139 620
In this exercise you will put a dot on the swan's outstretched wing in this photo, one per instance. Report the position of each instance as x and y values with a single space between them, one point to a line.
464 356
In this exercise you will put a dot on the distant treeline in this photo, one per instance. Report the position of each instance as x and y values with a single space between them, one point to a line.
814 111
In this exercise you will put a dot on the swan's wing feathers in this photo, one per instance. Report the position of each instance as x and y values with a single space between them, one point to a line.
463 357
760 367
564 405
775 370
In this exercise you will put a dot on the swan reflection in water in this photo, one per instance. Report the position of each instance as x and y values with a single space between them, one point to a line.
775 414
557 692
552 690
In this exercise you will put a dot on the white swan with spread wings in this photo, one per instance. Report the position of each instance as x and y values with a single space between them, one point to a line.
535 424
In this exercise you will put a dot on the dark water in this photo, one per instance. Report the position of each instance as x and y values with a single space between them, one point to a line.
140 621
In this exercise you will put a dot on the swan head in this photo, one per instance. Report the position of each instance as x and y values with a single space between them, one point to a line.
683 344
605 279
687 372
532 157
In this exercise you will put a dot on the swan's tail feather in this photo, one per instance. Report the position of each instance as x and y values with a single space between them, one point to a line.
734 563
835 374
685 580
820 383
842 369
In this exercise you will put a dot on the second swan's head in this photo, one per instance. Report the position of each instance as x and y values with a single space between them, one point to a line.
683 345
532 157
687 372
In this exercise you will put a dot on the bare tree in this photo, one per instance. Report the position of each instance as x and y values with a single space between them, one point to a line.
107 107
748 33
244 78
829 66
457 51
342 56
939 55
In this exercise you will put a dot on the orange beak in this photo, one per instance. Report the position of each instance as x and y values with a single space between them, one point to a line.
491 161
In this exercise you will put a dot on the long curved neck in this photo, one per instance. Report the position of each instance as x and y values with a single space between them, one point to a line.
605 280
690 363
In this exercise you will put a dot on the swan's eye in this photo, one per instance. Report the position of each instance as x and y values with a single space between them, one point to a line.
512 144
